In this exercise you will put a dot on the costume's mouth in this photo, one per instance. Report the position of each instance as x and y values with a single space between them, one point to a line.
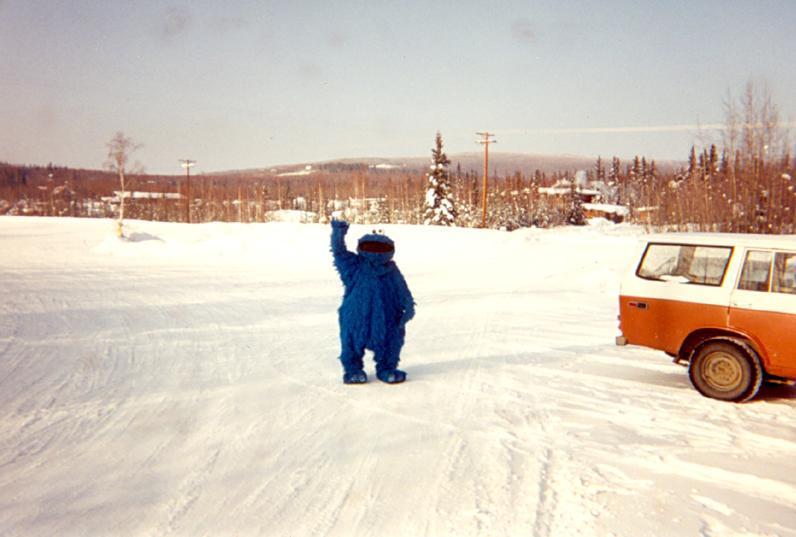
376 247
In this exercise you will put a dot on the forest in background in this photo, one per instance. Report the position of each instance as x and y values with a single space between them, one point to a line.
713 193
744 184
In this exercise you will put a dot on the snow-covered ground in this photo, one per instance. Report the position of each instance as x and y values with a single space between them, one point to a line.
185 382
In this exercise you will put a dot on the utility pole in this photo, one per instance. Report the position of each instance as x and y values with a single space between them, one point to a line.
187 163
485 142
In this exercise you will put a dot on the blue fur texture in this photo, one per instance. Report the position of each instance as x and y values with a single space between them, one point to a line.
376 304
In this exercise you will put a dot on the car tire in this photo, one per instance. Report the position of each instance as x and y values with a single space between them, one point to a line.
725 369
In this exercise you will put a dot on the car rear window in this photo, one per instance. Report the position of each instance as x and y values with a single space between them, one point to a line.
685 263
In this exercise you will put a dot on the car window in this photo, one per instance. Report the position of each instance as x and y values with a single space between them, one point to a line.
784 273
685 263
756 271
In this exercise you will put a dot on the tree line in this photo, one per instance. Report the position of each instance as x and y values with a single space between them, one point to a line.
742 183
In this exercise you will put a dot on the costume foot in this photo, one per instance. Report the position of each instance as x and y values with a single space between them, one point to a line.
391 376
355 377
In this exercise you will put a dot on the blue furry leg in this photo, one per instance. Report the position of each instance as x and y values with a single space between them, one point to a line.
350 354
388 355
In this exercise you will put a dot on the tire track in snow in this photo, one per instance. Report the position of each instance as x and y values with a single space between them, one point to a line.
547 498
455 457
368 407
279 461
9 328
619 416
772 490
189 493
332 509
309 484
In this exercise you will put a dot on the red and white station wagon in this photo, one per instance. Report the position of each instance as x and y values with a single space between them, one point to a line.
723 303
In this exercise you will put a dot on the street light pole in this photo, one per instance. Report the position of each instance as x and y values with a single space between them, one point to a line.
187 163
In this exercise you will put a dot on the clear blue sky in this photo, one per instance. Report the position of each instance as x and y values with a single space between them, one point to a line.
242 84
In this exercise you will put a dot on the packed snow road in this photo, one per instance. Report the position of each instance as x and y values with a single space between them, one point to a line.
185 382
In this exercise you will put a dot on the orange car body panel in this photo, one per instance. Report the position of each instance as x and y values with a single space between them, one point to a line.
664 324
774 334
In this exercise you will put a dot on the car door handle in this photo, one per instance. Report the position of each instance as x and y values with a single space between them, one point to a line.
639 305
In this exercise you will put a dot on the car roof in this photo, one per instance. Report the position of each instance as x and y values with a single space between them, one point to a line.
727 239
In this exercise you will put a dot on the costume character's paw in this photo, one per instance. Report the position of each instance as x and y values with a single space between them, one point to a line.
391 376
355 377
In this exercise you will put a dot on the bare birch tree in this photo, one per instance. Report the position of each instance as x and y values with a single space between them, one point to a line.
120 149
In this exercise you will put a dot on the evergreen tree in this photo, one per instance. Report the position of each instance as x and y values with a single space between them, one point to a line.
613 172
439 207
725 162
713 160
614 181
599 169
575 214
384 211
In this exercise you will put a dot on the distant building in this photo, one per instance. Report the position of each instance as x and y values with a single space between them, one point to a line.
614 213
563 187
590 197
137 195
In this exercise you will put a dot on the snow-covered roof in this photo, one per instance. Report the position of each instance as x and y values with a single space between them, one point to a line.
148 195
561 190
607 208
286 215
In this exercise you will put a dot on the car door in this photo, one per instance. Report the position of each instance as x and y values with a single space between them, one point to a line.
763 305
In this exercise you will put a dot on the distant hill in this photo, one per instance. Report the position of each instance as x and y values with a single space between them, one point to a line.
499 163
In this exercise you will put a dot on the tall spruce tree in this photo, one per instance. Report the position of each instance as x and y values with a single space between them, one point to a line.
439 208
713 160
599 170
575 215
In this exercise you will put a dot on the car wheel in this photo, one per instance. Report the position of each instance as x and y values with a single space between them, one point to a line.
725 369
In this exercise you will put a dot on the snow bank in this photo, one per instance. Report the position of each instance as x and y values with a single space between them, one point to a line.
185 382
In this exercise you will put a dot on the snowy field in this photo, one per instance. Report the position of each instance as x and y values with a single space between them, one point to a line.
185 382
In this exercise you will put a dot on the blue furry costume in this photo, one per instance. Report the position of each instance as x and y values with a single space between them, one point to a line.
376 305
